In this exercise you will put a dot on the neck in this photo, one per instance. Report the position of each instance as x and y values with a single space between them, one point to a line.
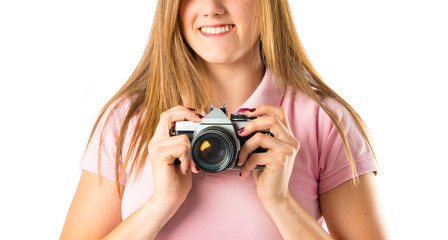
232 84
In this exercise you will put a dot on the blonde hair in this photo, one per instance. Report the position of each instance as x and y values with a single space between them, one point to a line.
169 74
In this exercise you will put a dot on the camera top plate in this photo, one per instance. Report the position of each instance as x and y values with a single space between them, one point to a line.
240 117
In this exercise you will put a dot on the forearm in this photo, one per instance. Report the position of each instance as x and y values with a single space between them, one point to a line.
144 223
293 221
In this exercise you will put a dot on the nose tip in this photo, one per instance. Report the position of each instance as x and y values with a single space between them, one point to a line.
218 12
213 8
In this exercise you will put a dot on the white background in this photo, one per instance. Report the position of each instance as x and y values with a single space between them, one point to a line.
60 61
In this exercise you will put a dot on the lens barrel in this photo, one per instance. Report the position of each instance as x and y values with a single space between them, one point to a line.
213 149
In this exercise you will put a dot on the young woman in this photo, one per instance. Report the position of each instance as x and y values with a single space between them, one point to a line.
319 163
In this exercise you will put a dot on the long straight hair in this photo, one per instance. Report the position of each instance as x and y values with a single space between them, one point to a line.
169 74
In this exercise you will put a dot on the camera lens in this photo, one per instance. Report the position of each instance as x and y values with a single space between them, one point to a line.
213 149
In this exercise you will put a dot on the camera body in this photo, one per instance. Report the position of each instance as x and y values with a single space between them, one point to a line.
215 143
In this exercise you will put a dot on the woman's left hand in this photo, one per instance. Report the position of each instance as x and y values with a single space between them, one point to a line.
272 181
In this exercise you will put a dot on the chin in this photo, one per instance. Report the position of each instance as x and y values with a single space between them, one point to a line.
219 59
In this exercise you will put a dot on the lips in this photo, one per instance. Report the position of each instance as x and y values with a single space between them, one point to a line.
216 29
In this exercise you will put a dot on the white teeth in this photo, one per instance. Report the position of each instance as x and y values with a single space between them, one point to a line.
217 30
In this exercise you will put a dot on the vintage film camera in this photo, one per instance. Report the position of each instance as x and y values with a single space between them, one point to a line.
215 143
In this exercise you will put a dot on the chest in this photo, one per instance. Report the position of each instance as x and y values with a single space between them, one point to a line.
220 204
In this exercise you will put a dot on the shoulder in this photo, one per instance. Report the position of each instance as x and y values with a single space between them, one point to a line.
322 145
118 109
100 154
300 106
116 114
108 127
308 114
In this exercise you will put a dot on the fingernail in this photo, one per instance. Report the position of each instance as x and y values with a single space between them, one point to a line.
241 130
192 109
246 109
200 116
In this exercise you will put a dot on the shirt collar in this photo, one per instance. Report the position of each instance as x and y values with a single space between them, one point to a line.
266 93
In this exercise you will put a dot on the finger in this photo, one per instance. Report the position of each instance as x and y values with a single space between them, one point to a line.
263 141
166 156
179 140
193 167
178 113
184 162
269 110
252 144
255 160
170 149
173 141
178 107
270 123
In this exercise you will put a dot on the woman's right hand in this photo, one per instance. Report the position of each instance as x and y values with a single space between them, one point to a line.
172 183
98 205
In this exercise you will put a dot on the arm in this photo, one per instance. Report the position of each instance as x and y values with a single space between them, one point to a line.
354 212
95 212
350 213
293 221
96 201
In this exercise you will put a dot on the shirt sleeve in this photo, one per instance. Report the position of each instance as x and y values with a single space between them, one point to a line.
99 157
334 164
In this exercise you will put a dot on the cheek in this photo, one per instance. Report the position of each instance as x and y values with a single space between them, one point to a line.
186 17
247 13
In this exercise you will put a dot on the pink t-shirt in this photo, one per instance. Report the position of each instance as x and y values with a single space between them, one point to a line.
221 206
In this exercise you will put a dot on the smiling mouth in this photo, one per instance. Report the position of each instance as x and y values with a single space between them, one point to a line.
221 29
